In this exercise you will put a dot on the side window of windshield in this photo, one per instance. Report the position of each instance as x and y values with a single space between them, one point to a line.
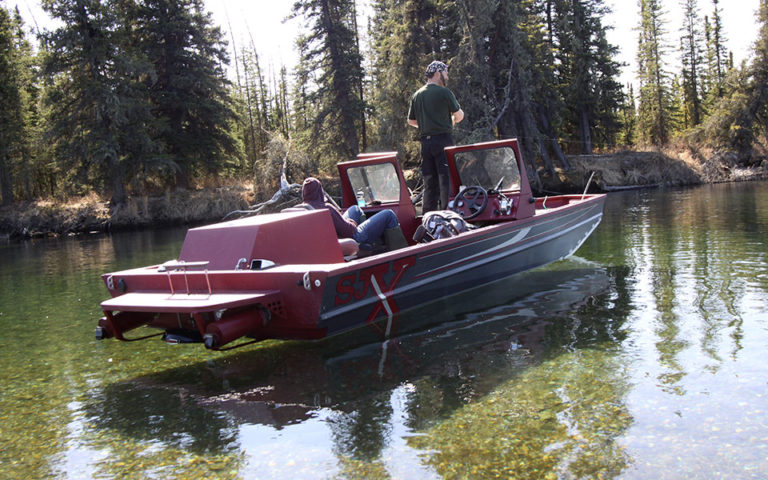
489 168
375 183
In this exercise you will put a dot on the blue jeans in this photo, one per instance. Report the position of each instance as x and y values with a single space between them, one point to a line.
373 228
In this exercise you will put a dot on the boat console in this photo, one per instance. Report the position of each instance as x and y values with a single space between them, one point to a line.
486 183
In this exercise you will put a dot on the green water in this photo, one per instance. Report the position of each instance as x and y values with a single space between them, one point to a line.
641 357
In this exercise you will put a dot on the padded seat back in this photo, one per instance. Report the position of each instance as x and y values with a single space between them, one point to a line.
300 207
349 247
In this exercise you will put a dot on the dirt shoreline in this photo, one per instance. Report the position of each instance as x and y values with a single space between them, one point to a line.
91 215
612 172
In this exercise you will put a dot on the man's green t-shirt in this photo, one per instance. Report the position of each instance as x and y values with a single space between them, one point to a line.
433 107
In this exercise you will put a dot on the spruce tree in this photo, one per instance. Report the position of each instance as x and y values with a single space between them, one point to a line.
655 99
757 93
599 90
739 118
188 90
12 101
691 48
628 118
609 97
525 101
87 93
717 58
256 99
586 71
402 48
330 48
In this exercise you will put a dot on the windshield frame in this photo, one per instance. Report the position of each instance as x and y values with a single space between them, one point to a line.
375 183
489 168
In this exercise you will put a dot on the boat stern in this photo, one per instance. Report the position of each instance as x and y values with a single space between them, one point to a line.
260 277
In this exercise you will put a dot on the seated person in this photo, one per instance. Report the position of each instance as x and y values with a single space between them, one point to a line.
348 225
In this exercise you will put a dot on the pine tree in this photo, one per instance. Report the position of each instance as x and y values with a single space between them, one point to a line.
586 71
654 110
691 48
88 92
757 93
628 118
330 48
188 89
401 49
717 58
13 122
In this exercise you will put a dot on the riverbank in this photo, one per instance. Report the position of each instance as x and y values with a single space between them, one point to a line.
616 171
92 214
650 169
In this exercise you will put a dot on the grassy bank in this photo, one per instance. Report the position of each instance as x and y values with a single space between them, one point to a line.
183 207
93 214
657 168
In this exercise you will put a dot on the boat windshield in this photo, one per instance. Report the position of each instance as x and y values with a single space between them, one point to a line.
488 167
377 183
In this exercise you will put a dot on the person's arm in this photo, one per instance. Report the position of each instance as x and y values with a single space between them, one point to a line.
458 116
412 115
345 227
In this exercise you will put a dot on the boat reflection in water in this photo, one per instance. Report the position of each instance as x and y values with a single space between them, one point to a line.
461 347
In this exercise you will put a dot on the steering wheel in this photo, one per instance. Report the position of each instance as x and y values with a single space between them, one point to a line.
470 202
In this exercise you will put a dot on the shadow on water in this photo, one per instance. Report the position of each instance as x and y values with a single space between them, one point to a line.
449 354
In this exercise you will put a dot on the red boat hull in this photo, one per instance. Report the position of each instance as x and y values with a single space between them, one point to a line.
314 300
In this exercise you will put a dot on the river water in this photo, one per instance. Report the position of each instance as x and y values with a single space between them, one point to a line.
643 356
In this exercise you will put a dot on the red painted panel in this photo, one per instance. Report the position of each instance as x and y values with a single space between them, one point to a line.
284 238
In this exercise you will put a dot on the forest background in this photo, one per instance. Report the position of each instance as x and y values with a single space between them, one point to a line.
118 99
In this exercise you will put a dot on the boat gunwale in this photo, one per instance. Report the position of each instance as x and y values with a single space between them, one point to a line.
427 249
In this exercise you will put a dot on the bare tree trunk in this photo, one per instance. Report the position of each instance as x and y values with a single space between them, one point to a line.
507 99
234 51
6 185
249 108
586 137
363 130
118 190
559 155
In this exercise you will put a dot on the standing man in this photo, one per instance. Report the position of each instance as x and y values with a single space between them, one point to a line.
434 111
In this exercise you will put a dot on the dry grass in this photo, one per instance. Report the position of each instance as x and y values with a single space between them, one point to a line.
674 166
180 207
631 168
92 213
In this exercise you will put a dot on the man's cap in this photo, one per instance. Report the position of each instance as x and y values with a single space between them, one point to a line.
436 66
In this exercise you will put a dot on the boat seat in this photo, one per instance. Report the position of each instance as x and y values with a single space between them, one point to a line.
349 248
301 207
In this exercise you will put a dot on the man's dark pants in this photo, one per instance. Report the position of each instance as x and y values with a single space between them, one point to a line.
434 169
